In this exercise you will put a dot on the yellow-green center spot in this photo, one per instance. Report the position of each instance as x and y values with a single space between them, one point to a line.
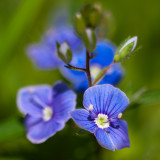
102 121
95 69
47 113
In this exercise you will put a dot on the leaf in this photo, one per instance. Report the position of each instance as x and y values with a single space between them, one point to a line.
149 97
144 97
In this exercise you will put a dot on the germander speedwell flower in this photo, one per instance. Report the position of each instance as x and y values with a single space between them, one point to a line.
44 54
104 106
46 109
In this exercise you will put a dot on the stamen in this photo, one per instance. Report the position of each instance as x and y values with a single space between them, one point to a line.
90 107
120 115
92 115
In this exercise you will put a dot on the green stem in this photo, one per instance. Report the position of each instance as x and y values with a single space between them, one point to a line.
75 68
103 73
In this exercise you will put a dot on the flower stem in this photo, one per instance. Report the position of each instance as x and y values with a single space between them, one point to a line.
88 68
103 73
75 68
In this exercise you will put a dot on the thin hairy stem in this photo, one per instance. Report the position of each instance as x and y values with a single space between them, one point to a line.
103 73
75 68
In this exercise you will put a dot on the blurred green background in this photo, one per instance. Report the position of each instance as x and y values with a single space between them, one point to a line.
23 22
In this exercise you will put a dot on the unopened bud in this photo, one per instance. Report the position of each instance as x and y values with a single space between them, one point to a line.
79 24
64 52
126 49
91 15
89 39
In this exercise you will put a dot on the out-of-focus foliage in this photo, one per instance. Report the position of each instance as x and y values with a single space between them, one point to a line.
23 22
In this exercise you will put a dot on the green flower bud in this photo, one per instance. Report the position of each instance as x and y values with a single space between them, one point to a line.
91 15
64 52
125 49
89 39
79 24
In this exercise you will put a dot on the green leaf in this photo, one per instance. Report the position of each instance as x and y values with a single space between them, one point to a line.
149 97
144 97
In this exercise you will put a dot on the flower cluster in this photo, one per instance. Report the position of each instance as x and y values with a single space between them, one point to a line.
94 70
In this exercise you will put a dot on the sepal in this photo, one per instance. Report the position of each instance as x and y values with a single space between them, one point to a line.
64 52
125 49
89 39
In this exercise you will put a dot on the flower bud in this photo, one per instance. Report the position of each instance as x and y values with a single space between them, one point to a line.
64 52
125 49
89 39
91 15
79 24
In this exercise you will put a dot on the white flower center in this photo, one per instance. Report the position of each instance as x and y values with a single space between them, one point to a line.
102 121
47 113
95 69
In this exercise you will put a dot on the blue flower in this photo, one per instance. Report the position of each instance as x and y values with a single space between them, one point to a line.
44 54
104 106
103 59
46 109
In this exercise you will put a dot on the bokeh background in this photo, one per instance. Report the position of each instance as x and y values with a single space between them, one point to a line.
23 22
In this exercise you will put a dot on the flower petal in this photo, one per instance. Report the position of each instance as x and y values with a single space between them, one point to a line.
105 99
39 131
81 118
103 139
105 50
31 100
60 34
64 101
119 136
43 56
